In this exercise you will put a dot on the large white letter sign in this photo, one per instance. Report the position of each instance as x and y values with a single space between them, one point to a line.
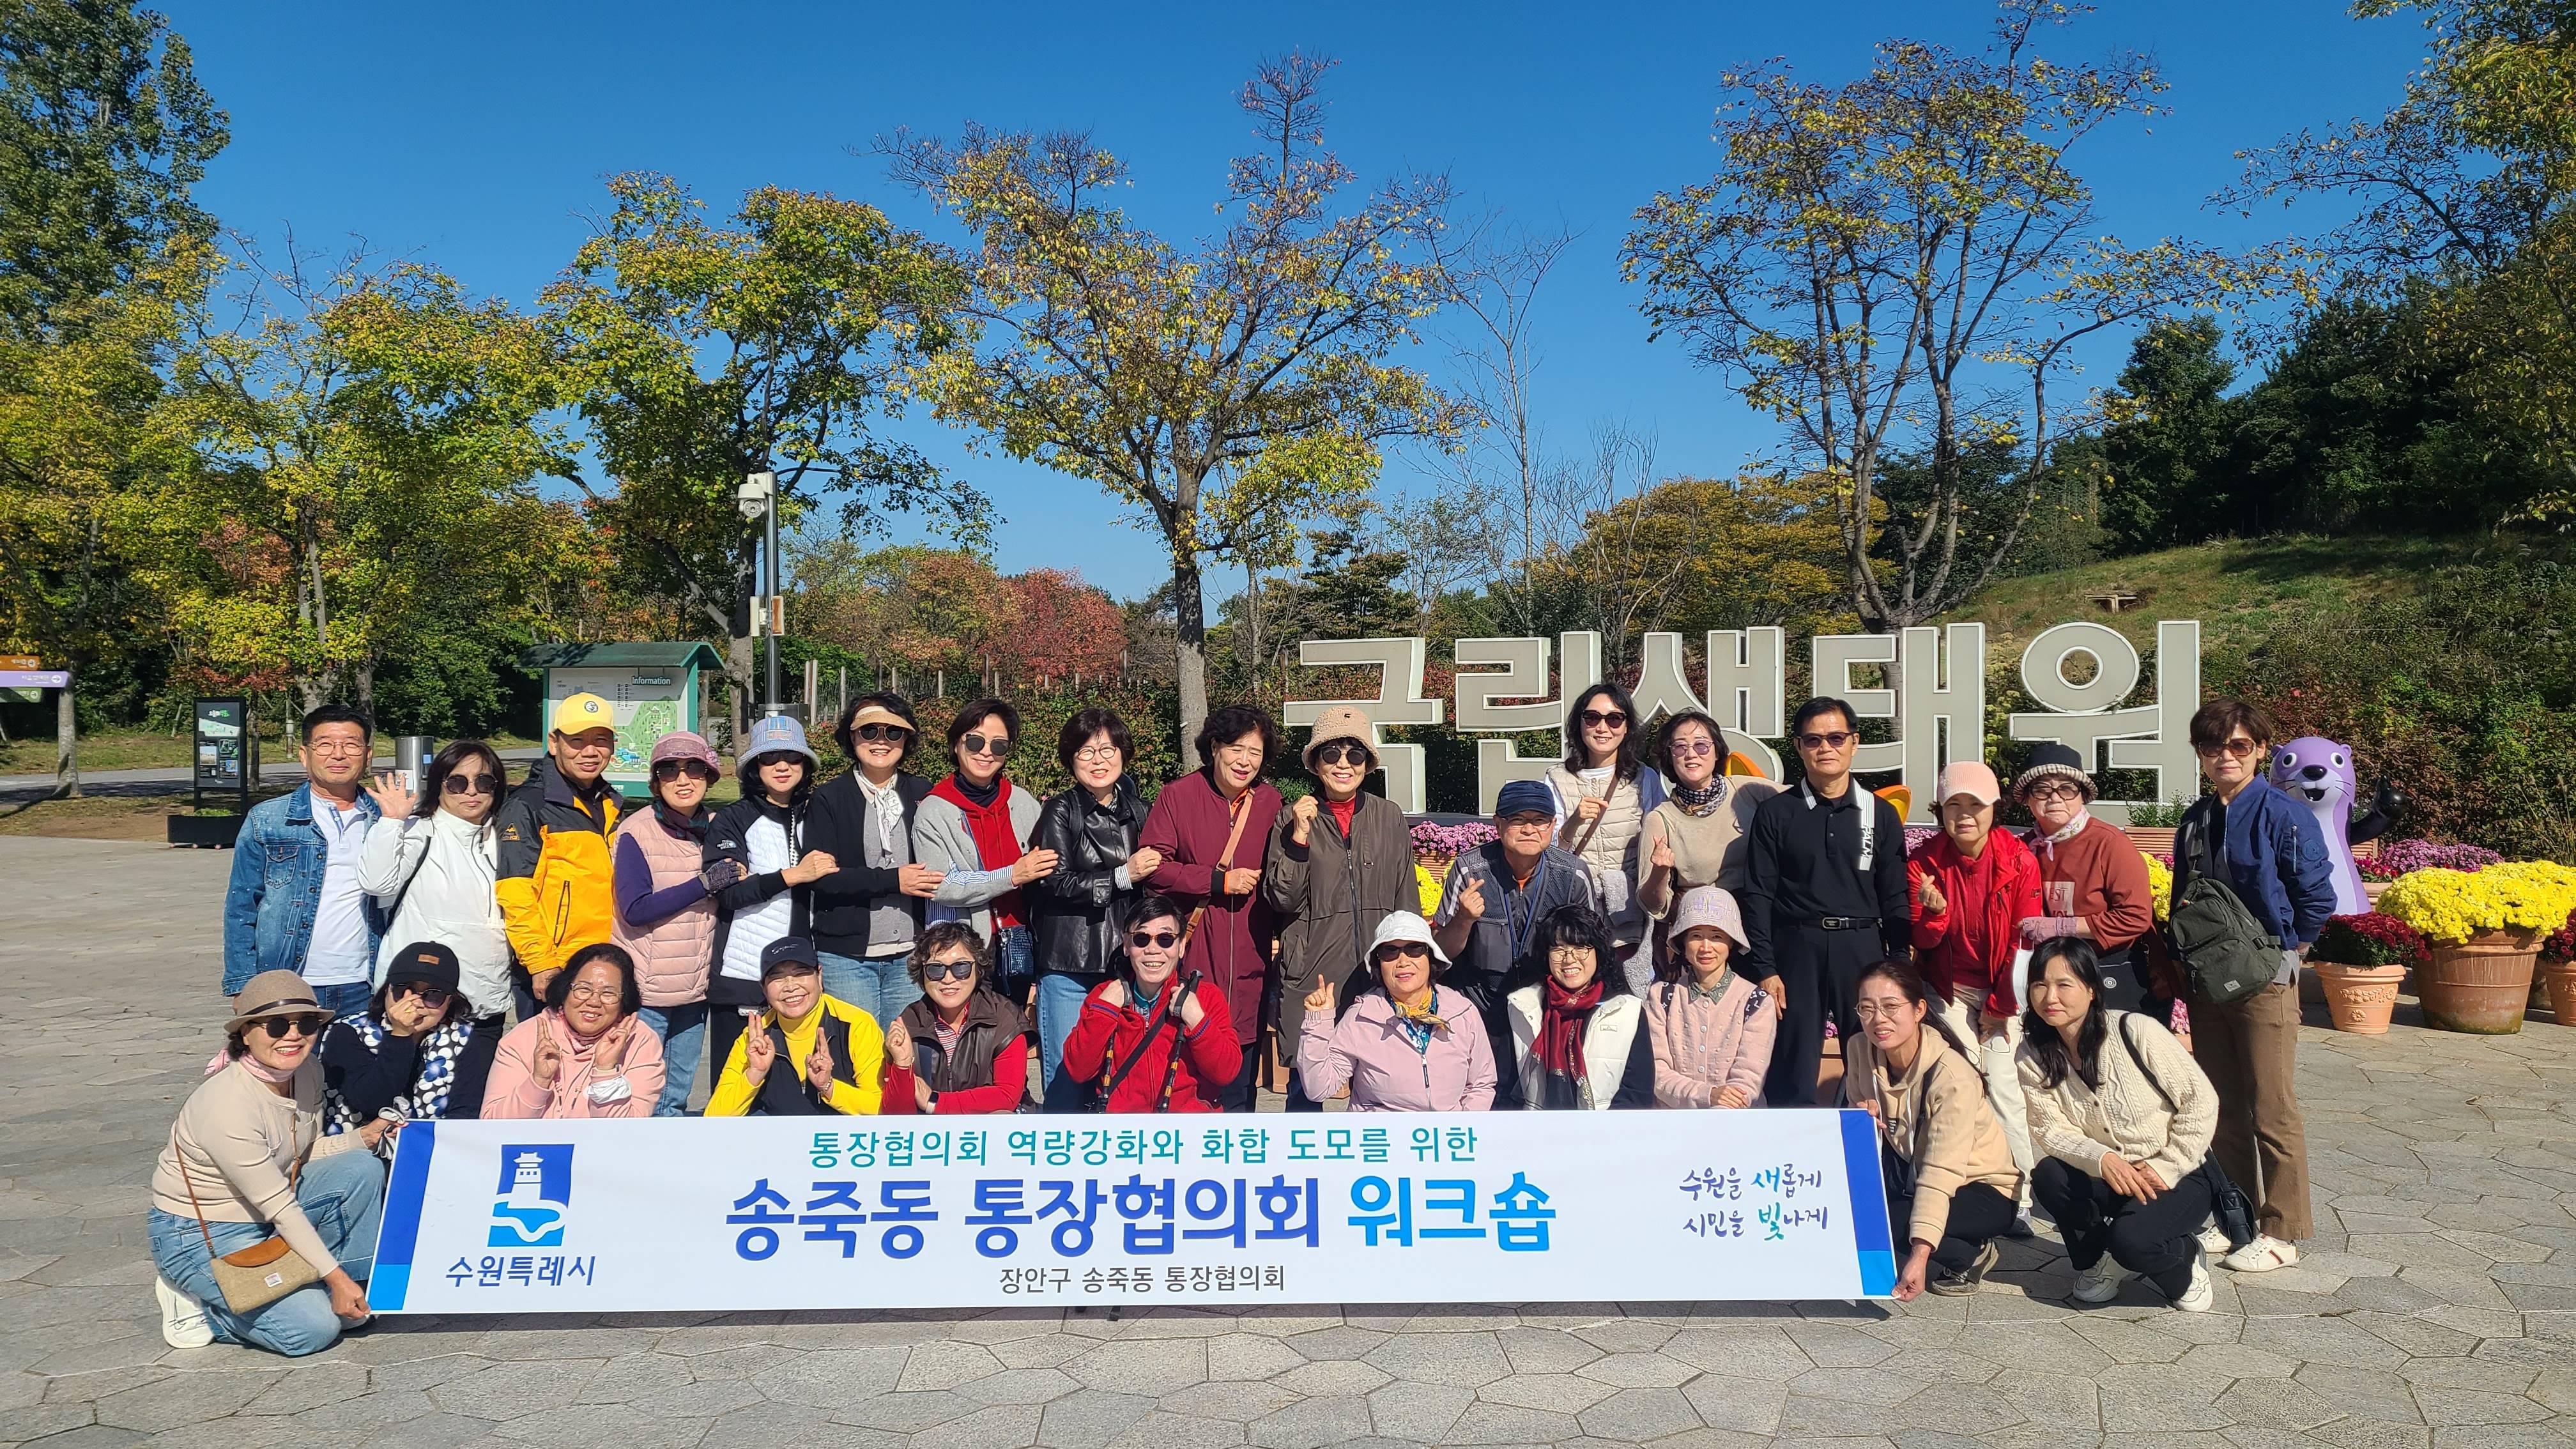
745 1214
1399 701
1524 678
1835 655
1943 710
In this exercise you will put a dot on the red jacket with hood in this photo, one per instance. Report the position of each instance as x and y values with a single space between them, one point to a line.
1941 944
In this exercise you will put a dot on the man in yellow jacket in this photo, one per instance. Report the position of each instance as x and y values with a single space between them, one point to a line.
808 1054
553 876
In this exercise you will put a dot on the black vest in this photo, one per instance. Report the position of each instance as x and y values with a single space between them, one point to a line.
785 1092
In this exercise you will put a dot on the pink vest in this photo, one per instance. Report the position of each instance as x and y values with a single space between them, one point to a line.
671 956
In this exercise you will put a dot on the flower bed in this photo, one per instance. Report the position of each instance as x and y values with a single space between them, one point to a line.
2451 905
2373 939
2402 856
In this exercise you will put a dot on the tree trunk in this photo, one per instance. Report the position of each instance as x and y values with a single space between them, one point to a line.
1189 648
366 701
66 740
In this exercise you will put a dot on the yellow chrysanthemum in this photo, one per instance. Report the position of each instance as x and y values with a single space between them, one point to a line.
2160 884
2454 905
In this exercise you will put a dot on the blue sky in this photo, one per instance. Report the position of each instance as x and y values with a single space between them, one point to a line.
474 136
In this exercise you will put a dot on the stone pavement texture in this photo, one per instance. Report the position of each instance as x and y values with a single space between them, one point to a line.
2436 1308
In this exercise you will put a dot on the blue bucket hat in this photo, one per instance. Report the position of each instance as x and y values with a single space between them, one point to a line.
771 734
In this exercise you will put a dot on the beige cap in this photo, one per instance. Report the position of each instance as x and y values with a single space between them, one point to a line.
1341 722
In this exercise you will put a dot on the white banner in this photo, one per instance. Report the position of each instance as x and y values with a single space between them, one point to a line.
803 1212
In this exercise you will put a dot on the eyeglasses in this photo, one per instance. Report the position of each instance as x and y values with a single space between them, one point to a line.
1158 940
426 995
595 993
882 734
1409 950
1693 749
1341 754
957 970
281 1027
2053 792
2240 747
1826 739
1568 955
1603 719
335 748
668 770
1872 1011
472 785
1098 752
1527 819
997 746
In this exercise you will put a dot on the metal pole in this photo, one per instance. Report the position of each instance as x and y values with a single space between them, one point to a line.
770 561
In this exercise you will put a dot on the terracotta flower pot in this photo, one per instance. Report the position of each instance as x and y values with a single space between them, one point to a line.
2360 998
2481 985
2559 977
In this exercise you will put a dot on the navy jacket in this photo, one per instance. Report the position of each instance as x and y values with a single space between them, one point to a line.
2276 859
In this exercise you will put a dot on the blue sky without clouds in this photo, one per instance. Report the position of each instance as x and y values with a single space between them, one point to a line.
474 136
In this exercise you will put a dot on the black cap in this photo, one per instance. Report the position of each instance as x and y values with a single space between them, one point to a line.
788 951
427 962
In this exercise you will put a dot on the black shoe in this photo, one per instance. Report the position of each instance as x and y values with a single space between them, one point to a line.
1963 1284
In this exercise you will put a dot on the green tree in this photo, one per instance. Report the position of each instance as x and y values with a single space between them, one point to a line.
2166 455
1907 263
103 131
1225 393
705 353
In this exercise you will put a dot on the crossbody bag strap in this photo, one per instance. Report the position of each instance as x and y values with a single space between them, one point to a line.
1145 1043
1224 863
189 1181
2149 1072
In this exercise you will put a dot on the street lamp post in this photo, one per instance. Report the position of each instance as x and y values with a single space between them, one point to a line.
758 498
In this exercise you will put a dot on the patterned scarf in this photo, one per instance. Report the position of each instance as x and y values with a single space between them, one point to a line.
2048 843
1419 1022
1561 1023
1698 799
432 1079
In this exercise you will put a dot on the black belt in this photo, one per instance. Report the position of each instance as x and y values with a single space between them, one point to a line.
1843 923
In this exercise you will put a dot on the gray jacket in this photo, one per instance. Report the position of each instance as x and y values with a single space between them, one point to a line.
942 841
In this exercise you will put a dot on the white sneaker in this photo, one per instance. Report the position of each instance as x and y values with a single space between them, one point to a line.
2196 1298
2101 1282
2214 1243
183 1319
2263 1255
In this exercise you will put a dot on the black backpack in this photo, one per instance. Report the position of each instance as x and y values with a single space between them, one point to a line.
2226 952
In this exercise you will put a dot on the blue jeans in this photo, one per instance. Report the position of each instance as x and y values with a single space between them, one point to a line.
881 986
1060 1001
683 1031
342 1196
1015 961
347 999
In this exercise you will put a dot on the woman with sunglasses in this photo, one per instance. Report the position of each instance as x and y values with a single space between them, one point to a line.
246 1161
401 1054
1603 793
666 908
1405 1045
432 862
960 1049
1696 837
1337 866
867 912
974 829
1148 1042
585 1055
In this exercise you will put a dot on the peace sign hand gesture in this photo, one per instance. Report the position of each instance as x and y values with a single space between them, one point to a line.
758 1051
818 1066
547 1064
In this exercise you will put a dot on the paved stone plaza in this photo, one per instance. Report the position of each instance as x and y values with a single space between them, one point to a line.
2437 1306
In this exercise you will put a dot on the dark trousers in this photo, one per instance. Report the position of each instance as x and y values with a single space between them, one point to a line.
474 1068
1241 1094
1978 1216
2158 1241
724 1028
1820 971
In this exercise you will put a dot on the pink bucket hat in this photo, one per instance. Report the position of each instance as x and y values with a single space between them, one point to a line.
682 745
1710 906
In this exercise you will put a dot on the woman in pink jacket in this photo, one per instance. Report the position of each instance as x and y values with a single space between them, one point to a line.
1711 1028
1407 1046
586 1054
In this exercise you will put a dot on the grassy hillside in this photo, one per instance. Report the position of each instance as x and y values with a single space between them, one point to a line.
2234 588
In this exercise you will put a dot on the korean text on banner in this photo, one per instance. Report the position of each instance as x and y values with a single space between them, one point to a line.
796 1213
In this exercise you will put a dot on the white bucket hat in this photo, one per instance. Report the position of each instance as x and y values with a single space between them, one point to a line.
1404 926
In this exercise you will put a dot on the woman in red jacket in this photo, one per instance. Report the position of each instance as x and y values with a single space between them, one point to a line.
1210 827
961 1048
1971 887
1148 1041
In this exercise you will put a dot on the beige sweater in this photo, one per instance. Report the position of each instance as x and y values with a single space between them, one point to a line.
1962 1140
2077 1124
1707 849
240 1140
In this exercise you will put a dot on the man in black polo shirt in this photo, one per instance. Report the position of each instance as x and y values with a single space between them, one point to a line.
1824 897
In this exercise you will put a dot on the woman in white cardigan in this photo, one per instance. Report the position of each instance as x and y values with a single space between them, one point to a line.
2125 1118
430 863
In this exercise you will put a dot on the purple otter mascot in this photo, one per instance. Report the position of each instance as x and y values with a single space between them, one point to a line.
2319 772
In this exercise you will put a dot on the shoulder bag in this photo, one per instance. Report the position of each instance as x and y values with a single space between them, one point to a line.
2226 953
2229 1207
254 1277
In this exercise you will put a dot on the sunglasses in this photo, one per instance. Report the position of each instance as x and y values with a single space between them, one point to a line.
1825 739
1409 950
1692 749
882 734
2240 748
998 746
472 785
426 995
1160 940
1602 717
668 770
281 1027
947 970
1343 755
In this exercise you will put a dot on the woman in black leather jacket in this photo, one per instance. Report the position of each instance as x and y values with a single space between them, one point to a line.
1081 909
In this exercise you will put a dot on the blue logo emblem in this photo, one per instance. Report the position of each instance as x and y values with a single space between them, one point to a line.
535 1191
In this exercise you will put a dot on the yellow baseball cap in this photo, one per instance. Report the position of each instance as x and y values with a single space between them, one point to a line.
584 711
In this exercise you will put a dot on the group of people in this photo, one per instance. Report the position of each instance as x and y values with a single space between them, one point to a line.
1647 930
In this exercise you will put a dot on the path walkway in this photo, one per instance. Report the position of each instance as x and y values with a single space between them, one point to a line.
2433 1311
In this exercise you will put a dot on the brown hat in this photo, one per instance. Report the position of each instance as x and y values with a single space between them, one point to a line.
1341 722
272 993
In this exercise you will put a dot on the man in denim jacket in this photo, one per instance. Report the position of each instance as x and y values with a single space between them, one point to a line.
294 903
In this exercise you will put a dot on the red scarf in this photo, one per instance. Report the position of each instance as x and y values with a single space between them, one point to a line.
1560 1026
997 844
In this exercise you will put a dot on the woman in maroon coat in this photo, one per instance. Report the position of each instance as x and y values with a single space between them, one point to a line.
1190 824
